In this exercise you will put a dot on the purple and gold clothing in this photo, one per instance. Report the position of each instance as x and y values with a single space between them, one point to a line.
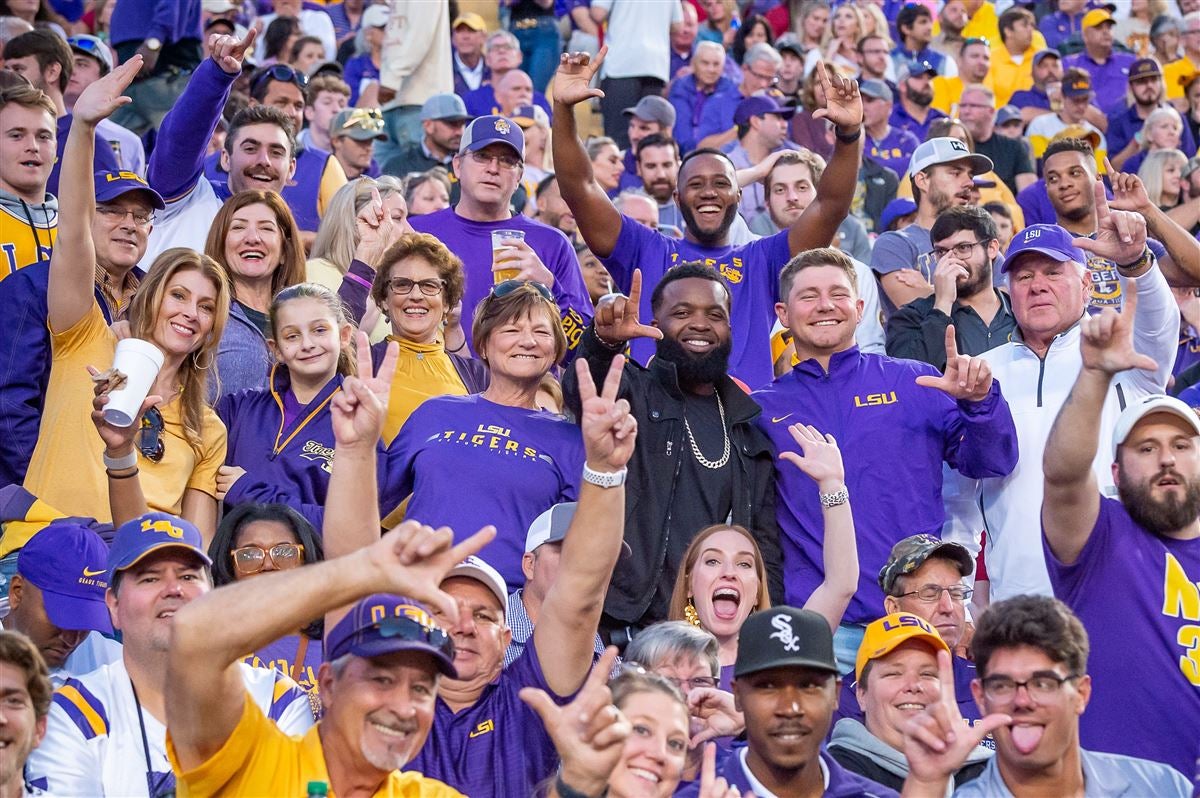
894 435
1138 595
282 655
472 241
751 272
469 462
894 150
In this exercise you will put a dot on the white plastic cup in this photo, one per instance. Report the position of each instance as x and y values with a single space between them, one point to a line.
139 361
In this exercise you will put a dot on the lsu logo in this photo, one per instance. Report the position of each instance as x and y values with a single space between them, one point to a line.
134 176
1032 233
483 728
502 127
410 611
908 620
161 526
732 271
874 399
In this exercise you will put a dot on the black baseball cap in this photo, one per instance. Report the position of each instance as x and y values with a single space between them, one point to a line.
784 637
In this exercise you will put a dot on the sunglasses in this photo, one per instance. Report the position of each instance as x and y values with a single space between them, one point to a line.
508 286
150 437
252 559
369 119
280 72
407 629
92 48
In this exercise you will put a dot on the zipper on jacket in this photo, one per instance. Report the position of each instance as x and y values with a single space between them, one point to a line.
1041 374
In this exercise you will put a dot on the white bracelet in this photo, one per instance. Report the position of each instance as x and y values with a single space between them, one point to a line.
119 463
835 499
604 479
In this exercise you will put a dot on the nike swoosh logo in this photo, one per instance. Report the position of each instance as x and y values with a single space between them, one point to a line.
777 419
86 572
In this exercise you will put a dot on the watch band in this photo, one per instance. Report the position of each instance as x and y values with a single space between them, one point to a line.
603 479
835 499
565 790
848 139
119 463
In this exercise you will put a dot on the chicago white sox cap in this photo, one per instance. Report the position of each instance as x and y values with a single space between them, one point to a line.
784 637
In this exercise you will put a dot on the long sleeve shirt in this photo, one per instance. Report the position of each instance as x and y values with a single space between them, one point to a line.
166 20
917 331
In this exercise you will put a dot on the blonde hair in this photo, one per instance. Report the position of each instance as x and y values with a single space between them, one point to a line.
1152 169
337 236
332 303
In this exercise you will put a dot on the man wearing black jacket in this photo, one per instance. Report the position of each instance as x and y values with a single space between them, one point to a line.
699 460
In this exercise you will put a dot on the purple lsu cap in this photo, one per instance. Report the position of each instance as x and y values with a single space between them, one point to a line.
487 130
758 105
68 562
383 623
1048 239
110 185
154 531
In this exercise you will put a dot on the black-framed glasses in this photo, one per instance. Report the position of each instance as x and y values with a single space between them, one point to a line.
932 593
252 559
1041 686
115 214
150 435
506 161
505 288
280 72
960 251
402 286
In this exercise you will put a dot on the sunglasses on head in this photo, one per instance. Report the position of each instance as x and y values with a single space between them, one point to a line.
280 72
410 630
508 286
150 437
88 46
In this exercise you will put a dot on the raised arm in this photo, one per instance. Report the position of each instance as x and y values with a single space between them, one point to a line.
598 219
71 291
819 222
566 629
1129 194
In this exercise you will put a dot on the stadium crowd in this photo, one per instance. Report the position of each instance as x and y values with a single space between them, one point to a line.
572 398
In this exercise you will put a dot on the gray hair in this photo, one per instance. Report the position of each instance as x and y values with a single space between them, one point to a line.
622 199
12 27
716 48
762 52
670 641
501 34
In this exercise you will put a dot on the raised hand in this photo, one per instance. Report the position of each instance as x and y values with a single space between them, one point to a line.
1106 339
100 99
413 559
229 51
588 733
967 379
360 407
843 104
712 786
938 740
821 459
572 81
616 317
609 430
376 231
1129 193
118 441
945 282
713 714
1120 235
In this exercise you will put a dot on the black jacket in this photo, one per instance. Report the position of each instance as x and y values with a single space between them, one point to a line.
657 403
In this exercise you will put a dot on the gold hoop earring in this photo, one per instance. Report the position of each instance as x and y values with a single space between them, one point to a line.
196 361
689 613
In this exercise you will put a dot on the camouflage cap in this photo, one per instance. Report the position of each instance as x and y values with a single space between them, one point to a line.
911 553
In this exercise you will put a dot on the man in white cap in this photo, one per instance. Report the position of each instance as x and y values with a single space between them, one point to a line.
93 60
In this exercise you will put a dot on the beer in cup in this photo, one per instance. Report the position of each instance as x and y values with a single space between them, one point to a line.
503 255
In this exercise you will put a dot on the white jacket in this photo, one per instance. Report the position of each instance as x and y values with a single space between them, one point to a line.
1010 508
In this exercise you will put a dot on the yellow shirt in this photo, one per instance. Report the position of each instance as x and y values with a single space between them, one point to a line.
333 178
423 371
1177 73
946 92
21 243
259 759
984 24
66 471
1006 76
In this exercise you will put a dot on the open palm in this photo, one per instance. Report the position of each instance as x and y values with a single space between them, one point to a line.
572 81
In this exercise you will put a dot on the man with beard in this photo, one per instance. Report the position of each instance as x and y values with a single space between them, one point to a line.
652 116
1149 92
708 197
1129 568
913 113
1050 288
658 168
696 423
965 245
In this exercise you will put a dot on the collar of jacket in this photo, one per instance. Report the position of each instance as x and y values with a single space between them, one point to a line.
1068 337
739 407
839 363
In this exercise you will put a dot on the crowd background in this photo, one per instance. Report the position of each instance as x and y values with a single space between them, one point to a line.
820 376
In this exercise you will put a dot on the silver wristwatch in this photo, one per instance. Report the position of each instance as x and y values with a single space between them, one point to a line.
604 479
838 497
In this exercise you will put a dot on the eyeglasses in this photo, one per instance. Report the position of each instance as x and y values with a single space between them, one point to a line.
280 72
772 78
505 161
252 559
116 214
150 440
368 119
508 286
687 685
932 593
960 250
1041 686
402 286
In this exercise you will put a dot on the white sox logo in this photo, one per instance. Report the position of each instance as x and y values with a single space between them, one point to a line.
784 633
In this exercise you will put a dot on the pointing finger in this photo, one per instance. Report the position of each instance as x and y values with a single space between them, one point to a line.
951 344
1102 211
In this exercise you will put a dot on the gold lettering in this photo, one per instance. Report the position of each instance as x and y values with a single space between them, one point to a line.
1181 597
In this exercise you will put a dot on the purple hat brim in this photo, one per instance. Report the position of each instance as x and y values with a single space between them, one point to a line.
75 613
386 645
1052 252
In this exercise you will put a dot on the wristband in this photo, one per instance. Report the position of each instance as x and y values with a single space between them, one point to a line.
119 463
1141 263
132 473
602 479
458 348
565 790
835 499
850 138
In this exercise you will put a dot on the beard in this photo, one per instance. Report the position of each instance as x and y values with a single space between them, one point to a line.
1077 214
715 237
695 369
921 98
978 280
1159 516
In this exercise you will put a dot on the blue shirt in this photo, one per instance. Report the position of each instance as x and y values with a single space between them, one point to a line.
166 20
929 55
717 116
689 104
894 436
1032 98
1104 776
900 118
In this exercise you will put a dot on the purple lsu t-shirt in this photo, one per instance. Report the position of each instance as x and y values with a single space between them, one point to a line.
497 746
469 462
472 241
1138 596
751 272
281 655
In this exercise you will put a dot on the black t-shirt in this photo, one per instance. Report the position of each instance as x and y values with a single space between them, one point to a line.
1009 158
258 319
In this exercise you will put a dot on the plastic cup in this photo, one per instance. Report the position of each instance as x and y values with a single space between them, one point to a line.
139 361
503 254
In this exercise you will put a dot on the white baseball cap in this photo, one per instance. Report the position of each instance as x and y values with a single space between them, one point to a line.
550 526
945 149
475 568
1157 403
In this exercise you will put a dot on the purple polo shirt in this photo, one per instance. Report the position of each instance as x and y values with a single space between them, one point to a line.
1138 595
893 150
1109 80
842 783
1030 98
751 272
1058 27
717 116
901 119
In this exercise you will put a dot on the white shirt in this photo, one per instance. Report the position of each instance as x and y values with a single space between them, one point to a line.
127 146
93 744
95 651
639 37
183 223
1036 390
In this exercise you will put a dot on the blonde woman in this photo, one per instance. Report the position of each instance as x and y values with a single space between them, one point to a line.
841 49
1162 175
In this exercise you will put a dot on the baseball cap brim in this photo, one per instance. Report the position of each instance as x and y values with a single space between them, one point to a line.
383 646
1133 415
487 577
75 613
785 662
1054 252
121 188
894 641
479 145
129 562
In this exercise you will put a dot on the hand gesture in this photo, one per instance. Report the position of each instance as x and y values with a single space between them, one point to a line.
227 477
945 282
1120 235
609 430
821 459
572 81
523 257
713 714
843 104
100 99
710 785
937 741
588 733
413 559
360 407
229 51
617 319
376 231
1129 193
1106 339
118 441
967 379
